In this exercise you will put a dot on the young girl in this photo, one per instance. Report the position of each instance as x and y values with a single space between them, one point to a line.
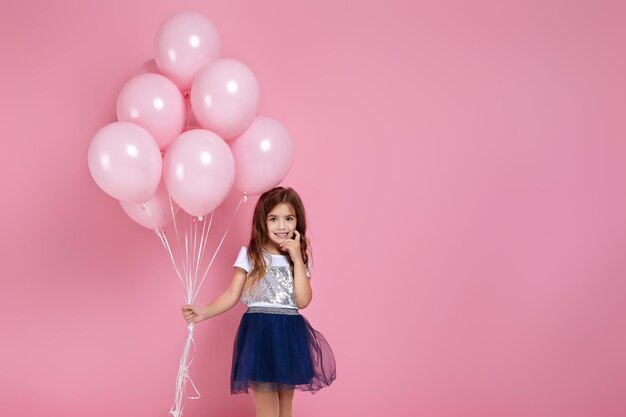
276 350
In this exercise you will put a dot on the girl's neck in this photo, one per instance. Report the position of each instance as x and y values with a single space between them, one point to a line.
271 249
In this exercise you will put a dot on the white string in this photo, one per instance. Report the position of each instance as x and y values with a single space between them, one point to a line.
180 253
193 253
201 247
183 367
176 410
161 234
243 199
187 279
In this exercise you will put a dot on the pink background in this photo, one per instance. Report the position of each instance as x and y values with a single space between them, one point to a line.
463 165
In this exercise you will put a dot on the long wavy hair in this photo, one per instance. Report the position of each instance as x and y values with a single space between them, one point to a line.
266 203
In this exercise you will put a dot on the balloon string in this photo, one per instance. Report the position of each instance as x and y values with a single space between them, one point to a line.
180 252
203 242
187 254
183 376
194 234
198 256
161 234
191 253
243 199
201 246
183 368
192 291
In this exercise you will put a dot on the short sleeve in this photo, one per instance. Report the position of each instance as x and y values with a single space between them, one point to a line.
242 260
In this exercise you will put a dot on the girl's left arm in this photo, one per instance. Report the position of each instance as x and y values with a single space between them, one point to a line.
302 285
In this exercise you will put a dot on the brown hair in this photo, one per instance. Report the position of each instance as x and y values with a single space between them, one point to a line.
266 203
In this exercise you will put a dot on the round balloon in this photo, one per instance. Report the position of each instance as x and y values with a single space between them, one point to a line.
184 43
155 213
154 103
263 155
125 162
198 170
225 97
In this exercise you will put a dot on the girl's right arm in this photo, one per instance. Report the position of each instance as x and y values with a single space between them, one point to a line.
227 300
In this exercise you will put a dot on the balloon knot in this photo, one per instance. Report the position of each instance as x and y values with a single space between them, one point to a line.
187 93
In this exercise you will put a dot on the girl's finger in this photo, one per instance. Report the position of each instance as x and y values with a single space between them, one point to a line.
296 236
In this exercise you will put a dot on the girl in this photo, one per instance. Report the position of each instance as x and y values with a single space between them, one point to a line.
276 350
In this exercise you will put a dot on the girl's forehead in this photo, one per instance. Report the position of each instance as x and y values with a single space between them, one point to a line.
282 209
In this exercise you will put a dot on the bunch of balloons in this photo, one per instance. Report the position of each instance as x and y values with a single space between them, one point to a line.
155 163
151 154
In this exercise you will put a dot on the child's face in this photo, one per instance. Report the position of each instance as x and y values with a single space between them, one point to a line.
281 222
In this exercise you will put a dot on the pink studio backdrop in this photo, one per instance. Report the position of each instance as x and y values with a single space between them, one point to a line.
463 165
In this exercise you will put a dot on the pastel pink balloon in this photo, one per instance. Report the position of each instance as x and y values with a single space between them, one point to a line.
225 97
154 103
156 211
263 156
198 171
184 43
125 162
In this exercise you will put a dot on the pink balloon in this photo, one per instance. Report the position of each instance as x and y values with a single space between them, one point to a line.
198 171
263 155
157 211
125 162
154 103
225 97
184 43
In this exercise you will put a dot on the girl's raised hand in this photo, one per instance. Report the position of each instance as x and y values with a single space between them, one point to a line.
193 314
292 246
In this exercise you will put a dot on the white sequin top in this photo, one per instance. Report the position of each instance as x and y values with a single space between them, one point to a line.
275 289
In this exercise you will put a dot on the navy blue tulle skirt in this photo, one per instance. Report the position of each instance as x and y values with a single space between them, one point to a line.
276 349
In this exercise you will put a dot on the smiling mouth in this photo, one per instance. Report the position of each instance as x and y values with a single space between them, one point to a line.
281 234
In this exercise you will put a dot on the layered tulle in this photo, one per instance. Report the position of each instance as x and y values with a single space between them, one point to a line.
276 352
